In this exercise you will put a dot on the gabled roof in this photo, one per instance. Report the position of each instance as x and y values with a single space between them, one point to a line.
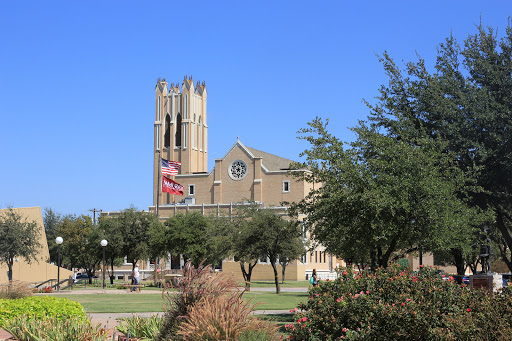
270 162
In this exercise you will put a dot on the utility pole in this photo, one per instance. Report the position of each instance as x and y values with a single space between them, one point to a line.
94 214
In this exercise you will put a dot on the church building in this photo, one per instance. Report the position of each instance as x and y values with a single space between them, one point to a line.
244 174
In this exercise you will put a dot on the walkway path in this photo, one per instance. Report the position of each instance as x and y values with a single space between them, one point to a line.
111 320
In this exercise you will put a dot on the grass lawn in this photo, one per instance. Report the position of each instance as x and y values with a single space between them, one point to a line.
139 303
271 284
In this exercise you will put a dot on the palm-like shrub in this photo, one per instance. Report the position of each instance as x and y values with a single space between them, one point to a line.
195 285
210 302
224 318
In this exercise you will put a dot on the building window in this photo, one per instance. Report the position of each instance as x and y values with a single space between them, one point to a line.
185 135
185 108
178 131
167 135
158 136
191 189
316 256
200 128
286 186
304 258
158 116
237 170
194 133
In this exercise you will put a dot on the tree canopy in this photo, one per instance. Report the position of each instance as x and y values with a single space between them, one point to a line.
431 166
18 238
467 104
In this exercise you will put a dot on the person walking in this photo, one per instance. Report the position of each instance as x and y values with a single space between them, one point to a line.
136 276
314 278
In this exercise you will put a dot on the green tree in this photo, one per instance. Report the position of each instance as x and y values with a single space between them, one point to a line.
466 103
18 238
81 247
51 220
136 226
189 235
269 235
381 195
111 230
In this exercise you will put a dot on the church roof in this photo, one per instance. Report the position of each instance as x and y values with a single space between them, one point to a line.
270 161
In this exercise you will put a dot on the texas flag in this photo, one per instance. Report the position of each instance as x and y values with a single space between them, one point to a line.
171 186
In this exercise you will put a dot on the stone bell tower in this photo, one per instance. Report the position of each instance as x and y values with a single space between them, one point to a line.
180 130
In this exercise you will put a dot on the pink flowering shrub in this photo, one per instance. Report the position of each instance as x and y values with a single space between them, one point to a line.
394 304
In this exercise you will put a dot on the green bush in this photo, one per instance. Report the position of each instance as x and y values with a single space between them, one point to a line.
394 304
145 328
40 306
51 328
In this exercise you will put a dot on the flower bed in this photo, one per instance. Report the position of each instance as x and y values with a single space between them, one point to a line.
394 304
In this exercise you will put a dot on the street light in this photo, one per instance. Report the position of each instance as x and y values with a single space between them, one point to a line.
59 241
103 243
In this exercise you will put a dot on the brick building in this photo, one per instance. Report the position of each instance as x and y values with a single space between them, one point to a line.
243 174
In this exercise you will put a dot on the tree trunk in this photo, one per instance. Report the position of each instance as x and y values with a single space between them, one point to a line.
9 271
112 268
247 274
283 266
276 276
506 235
373 262
459 261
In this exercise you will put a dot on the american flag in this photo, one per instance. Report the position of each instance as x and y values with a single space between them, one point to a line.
170 167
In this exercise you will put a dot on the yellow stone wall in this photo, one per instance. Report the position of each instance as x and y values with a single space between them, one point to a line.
36 271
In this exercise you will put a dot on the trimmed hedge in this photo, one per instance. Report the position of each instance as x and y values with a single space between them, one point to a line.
40 306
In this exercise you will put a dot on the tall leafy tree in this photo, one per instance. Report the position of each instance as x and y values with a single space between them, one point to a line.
51 220
136 226
190 235
81 247
266 234
381 195
19 238
111 230
467 103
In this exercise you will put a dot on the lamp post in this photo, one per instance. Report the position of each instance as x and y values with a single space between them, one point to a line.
59 241
103 243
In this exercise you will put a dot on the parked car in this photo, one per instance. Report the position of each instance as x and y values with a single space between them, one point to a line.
81 275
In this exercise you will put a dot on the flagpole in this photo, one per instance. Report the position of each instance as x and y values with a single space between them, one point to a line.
159 183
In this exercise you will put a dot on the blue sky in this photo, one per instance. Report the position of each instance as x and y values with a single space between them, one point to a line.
77 81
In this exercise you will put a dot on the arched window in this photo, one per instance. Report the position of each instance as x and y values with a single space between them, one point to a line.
185 111
158 117
194 133
167 136
200 129
178 130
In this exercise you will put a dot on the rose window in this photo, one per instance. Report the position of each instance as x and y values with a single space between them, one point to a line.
237 170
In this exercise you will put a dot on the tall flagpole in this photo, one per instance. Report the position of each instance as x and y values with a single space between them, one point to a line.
159 183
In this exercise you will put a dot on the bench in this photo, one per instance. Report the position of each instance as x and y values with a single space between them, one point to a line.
131 286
